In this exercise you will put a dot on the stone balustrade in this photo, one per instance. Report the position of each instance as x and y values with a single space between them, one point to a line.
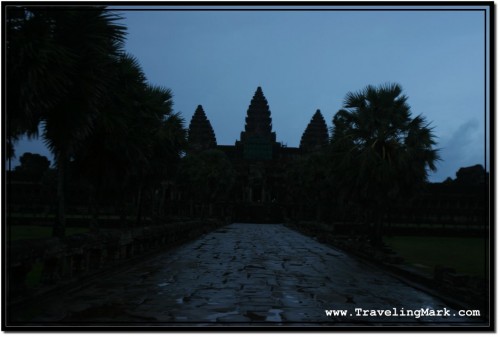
65 261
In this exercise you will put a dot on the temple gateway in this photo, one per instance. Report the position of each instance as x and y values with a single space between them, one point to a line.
259 160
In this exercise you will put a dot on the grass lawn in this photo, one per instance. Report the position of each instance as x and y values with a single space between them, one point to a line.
39 232
464 254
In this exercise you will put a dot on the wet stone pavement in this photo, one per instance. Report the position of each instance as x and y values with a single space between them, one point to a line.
245 274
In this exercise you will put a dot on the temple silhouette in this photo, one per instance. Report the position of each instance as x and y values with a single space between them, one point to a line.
261 187
257 157
261 163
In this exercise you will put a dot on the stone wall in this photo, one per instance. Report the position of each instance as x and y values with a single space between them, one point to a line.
66 261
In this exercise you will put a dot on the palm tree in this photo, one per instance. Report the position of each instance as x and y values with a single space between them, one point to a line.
136 139
382 152
44 52
108 156
60 65
37 67
163 139
172 141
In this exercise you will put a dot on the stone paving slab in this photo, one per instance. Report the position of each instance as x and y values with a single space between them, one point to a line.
247 274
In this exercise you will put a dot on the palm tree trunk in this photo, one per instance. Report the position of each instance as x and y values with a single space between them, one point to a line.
94 207
377 219
319 212
139 207
123 209
155 207
59 229
202 211
162 200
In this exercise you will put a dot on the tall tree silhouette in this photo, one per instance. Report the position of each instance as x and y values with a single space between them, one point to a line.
136 139
110 153
32 167
383 153
38 69
73 51
163 141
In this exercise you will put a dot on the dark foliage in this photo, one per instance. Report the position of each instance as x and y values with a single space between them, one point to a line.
32 167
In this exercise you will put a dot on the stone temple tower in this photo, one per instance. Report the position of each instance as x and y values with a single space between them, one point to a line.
258 138
201 135
315 135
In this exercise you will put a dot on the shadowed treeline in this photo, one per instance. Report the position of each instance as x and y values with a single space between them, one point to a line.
131 179
111 133
122 155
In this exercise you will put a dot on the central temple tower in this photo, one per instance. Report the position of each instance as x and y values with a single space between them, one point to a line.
260 162
258 139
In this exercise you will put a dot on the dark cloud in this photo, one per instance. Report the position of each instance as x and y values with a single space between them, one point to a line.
465 147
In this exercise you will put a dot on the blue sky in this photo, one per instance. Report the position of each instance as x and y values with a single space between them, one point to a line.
308 60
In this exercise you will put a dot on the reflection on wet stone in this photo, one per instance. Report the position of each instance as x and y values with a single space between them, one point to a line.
244 273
